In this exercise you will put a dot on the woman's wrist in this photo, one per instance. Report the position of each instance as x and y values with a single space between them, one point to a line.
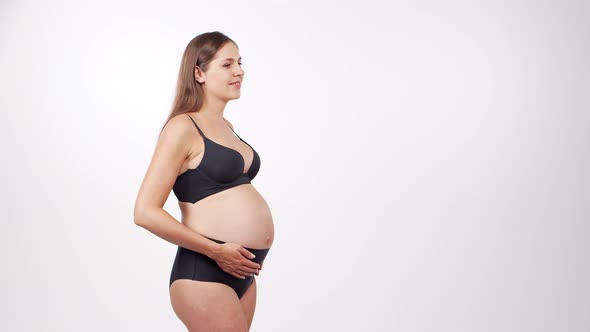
213 249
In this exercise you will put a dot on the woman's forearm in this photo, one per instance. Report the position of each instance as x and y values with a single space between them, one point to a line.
163 225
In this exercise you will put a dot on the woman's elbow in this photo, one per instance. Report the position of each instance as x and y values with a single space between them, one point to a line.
140 216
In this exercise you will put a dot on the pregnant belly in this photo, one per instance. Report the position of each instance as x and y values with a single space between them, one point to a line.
239 215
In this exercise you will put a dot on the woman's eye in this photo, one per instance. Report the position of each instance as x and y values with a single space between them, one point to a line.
229 64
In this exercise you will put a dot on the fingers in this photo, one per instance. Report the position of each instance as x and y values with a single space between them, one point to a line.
242 274
241 268
234 272
240 271
244 271
247 253
252 265
249 263
247 271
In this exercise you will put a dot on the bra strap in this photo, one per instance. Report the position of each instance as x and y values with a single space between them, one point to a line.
199 129
232 129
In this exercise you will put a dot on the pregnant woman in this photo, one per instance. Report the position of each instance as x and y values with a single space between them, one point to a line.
226 229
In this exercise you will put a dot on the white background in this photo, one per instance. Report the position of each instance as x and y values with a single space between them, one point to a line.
426 162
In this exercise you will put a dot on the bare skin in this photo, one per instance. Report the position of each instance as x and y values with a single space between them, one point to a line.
239 216
210 306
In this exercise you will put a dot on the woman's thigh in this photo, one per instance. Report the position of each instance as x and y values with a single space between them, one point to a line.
207 306
248 302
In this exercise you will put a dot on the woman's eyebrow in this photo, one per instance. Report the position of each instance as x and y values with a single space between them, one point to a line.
231 59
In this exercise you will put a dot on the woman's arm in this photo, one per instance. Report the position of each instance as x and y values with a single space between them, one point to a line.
171 151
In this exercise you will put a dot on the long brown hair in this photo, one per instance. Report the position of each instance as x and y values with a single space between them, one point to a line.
199 52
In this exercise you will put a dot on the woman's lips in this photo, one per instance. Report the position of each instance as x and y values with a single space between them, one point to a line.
236 84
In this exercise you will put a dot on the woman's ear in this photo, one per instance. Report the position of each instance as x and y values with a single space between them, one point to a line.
198 74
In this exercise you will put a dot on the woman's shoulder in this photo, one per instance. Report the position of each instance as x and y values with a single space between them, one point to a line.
179 127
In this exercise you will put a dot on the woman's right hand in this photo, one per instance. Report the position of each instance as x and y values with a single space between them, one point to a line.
234 259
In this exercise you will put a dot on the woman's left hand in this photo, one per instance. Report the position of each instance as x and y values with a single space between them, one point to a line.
257 273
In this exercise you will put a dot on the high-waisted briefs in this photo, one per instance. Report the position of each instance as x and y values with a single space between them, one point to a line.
193 265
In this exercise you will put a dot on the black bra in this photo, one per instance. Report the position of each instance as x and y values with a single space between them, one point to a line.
220 168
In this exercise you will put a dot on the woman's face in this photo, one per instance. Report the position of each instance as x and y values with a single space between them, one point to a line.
224 69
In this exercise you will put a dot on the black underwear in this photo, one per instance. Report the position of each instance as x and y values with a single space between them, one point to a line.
193 265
